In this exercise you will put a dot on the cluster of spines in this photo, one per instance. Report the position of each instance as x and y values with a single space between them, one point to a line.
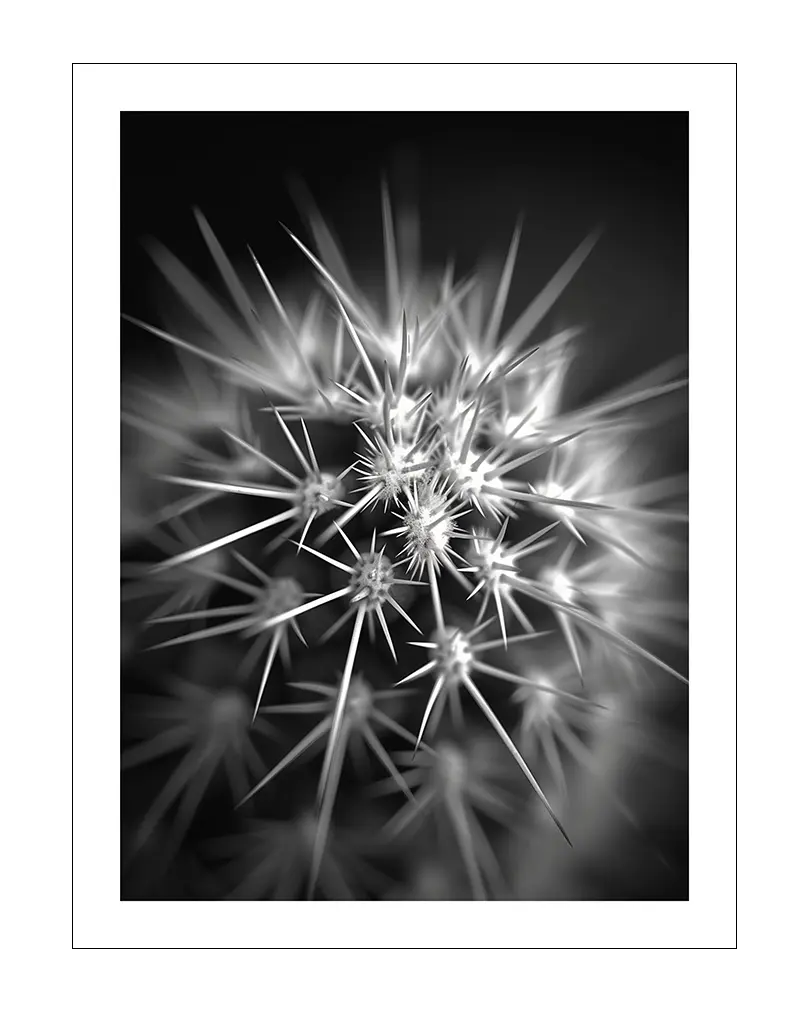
435 457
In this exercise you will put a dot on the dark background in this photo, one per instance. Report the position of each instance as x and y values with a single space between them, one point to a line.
470 174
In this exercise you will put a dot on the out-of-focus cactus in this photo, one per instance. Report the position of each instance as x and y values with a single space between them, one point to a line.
404 471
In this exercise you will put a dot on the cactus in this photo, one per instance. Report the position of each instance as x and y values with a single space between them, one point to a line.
348 482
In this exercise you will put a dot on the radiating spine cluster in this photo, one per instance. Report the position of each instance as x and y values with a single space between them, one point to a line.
443 474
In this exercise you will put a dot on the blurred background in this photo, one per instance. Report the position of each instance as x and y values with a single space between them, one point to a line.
470 176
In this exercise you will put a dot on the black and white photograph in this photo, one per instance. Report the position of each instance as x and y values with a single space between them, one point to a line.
404 526
404 506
